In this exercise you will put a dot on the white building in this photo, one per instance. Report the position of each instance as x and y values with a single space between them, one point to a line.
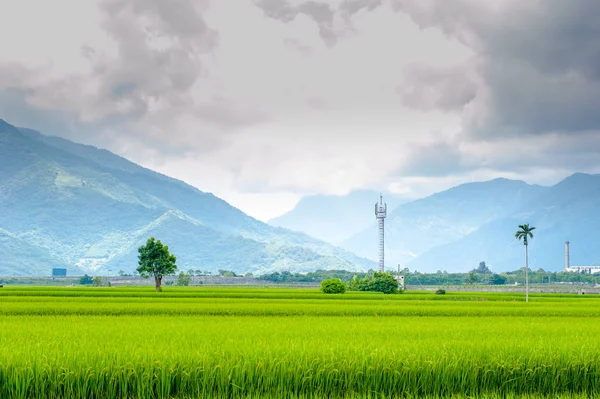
578 269
583 269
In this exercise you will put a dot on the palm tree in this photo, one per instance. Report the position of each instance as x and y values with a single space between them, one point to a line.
524 233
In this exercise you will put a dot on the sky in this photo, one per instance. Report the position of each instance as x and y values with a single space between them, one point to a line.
262 102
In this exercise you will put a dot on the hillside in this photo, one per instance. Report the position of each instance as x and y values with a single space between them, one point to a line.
438 220
334 218
566 211
87 208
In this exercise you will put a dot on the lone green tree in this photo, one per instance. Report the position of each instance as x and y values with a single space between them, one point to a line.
525 233
156 260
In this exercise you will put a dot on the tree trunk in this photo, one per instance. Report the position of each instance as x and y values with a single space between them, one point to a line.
526 274
158 281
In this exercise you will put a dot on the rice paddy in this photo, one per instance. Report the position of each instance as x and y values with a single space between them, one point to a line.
294 343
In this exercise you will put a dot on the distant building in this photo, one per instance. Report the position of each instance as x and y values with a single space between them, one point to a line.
578 269
583 269
56 272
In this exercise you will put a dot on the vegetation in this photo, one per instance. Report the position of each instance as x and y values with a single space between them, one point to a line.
316 276
292 343
227 273
333 286
183 279
524 233
156 260
378 282
86 280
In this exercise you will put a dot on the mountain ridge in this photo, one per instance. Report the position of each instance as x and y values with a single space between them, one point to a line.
89 208
460 227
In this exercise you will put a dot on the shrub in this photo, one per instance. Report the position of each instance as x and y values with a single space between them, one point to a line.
379 282
440 292
333 286
86 280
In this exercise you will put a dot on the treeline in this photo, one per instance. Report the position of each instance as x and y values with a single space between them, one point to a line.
316 276
473 277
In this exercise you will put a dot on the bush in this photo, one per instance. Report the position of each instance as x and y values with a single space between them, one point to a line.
86 280
379 282
97 281
440 292
333 286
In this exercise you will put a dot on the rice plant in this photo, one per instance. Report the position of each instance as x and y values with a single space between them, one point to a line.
229 343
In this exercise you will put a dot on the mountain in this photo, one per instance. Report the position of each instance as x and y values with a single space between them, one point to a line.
565 212
85 208
437 222
334 218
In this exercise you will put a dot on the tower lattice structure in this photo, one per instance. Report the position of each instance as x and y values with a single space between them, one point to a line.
380 214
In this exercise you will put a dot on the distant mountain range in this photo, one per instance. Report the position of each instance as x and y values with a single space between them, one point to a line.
456 229
64 204
334 218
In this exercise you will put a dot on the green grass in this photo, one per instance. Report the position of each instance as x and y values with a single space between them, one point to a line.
292 343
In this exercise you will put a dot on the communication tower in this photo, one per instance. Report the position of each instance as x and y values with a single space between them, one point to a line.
567 263
380 214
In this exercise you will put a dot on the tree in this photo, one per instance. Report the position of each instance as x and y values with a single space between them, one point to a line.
156 260
86 280
482 268
183 279
333 286
524 233
497 279
471 278
97 281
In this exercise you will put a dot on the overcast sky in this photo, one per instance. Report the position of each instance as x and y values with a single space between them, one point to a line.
264 101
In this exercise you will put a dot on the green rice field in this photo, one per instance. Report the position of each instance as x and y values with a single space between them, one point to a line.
295 343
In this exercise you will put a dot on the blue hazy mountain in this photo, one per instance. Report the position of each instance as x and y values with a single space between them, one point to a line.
422 234
67 204
565 212
334 218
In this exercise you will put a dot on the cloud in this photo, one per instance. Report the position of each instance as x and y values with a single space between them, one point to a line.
537 64
295 97
428 88
333 22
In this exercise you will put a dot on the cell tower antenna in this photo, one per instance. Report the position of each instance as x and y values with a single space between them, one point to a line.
380 214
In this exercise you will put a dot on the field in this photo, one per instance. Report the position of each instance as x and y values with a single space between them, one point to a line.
294 343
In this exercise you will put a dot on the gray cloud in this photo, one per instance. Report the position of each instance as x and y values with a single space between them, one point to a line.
539 63
324 15
157 60
297 45
160 46
141 88
431 88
